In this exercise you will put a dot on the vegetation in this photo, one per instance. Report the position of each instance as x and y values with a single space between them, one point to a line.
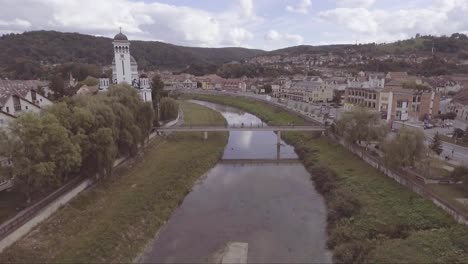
169 109
436 144
405 149
113 222
371 218
361 125
461 174
25 56
79 136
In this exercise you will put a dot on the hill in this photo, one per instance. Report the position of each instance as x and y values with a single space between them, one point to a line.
24 56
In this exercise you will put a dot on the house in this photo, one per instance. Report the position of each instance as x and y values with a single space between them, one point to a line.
18 96
443 84
459 105
88 90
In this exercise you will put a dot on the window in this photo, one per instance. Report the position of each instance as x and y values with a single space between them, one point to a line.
26 107
8 109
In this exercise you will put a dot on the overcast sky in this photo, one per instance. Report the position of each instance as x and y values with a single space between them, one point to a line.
263 24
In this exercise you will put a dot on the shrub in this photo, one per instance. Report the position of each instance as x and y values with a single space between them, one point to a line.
343 205
340 234
352 252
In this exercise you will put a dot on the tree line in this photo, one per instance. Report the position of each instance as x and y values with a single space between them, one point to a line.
76 136
405 149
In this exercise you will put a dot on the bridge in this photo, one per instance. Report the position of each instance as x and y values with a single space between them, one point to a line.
231 128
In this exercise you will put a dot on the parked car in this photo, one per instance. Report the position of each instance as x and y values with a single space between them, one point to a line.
428 126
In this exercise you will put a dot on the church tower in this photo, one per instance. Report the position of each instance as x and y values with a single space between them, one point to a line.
122 59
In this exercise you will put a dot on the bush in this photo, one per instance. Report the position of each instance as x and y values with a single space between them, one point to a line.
342 233
352 252
343 205
460 174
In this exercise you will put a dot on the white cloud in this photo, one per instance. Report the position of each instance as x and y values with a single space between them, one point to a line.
355 3
139 20
301 7
369 25
15 23
277 39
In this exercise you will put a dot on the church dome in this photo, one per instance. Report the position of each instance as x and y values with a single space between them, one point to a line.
120 36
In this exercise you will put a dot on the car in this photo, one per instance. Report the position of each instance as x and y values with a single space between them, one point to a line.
428 126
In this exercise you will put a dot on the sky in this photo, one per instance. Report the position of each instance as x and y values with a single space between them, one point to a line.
261 24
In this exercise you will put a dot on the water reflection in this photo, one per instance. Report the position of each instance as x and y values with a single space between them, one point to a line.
271 206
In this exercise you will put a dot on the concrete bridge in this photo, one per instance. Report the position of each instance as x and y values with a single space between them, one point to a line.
257 127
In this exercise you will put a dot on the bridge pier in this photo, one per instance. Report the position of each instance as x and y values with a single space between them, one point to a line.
205 135
278 137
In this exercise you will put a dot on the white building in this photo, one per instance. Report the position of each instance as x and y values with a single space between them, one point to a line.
17 97
125 69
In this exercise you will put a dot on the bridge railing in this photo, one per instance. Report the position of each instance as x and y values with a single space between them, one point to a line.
242 125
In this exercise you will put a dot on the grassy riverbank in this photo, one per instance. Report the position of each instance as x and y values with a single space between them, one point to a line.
371 217
115 220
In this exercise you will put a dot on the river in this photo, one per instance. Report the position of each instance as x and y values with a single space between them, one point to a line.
248 197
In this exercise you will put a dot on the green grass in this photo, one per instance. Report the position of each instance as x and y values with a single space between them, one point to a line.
451 192
116 219
393 224
459 142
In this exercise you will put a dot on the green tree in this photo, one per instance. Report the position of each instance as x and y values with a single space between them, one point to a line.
157 87
268 89
169 109
405 149
57 85
44 154
145 119
436 144
361 125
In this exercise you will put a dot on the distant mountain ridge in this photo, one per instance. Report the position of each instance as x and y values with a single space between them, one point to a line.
29 55
52 47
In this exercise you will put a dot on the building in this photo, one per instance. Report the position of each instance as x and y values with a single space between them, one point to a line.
125 69
18 96
311 89
459 105
365 97
395 104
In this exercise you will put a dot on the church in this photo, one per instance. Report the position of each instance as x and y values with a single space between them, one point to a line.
125 69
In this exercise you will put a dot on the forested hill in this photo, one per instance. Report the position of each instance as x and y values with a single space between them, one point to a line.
22 55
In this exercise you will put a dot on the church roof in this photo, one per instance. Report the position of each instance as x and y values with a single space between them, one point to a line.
120 36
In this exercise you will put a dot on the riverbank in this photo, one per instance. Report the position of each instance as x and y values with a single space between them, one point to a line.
114 221
370 217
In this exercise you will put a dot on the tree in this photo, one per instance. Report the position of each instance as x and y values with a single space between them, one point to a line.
405 149
460 174
268 89
57 85
145 119
157 87
361 125
169 109
436 144
44 154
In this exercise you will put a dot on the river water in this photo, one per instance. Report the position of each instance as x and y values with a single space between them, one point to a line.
248 197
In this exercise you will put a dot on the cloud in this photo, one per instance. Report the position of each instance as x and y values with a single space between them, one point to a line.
369 25
176 24
301 7
279 39
355 3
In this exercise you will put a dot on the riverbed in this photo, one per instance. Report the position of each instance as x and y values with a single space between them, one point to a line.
259 195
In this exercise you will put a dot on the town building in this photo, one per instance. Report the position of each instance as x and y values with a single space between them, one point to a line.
459 105
311 89
125 69
17 96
